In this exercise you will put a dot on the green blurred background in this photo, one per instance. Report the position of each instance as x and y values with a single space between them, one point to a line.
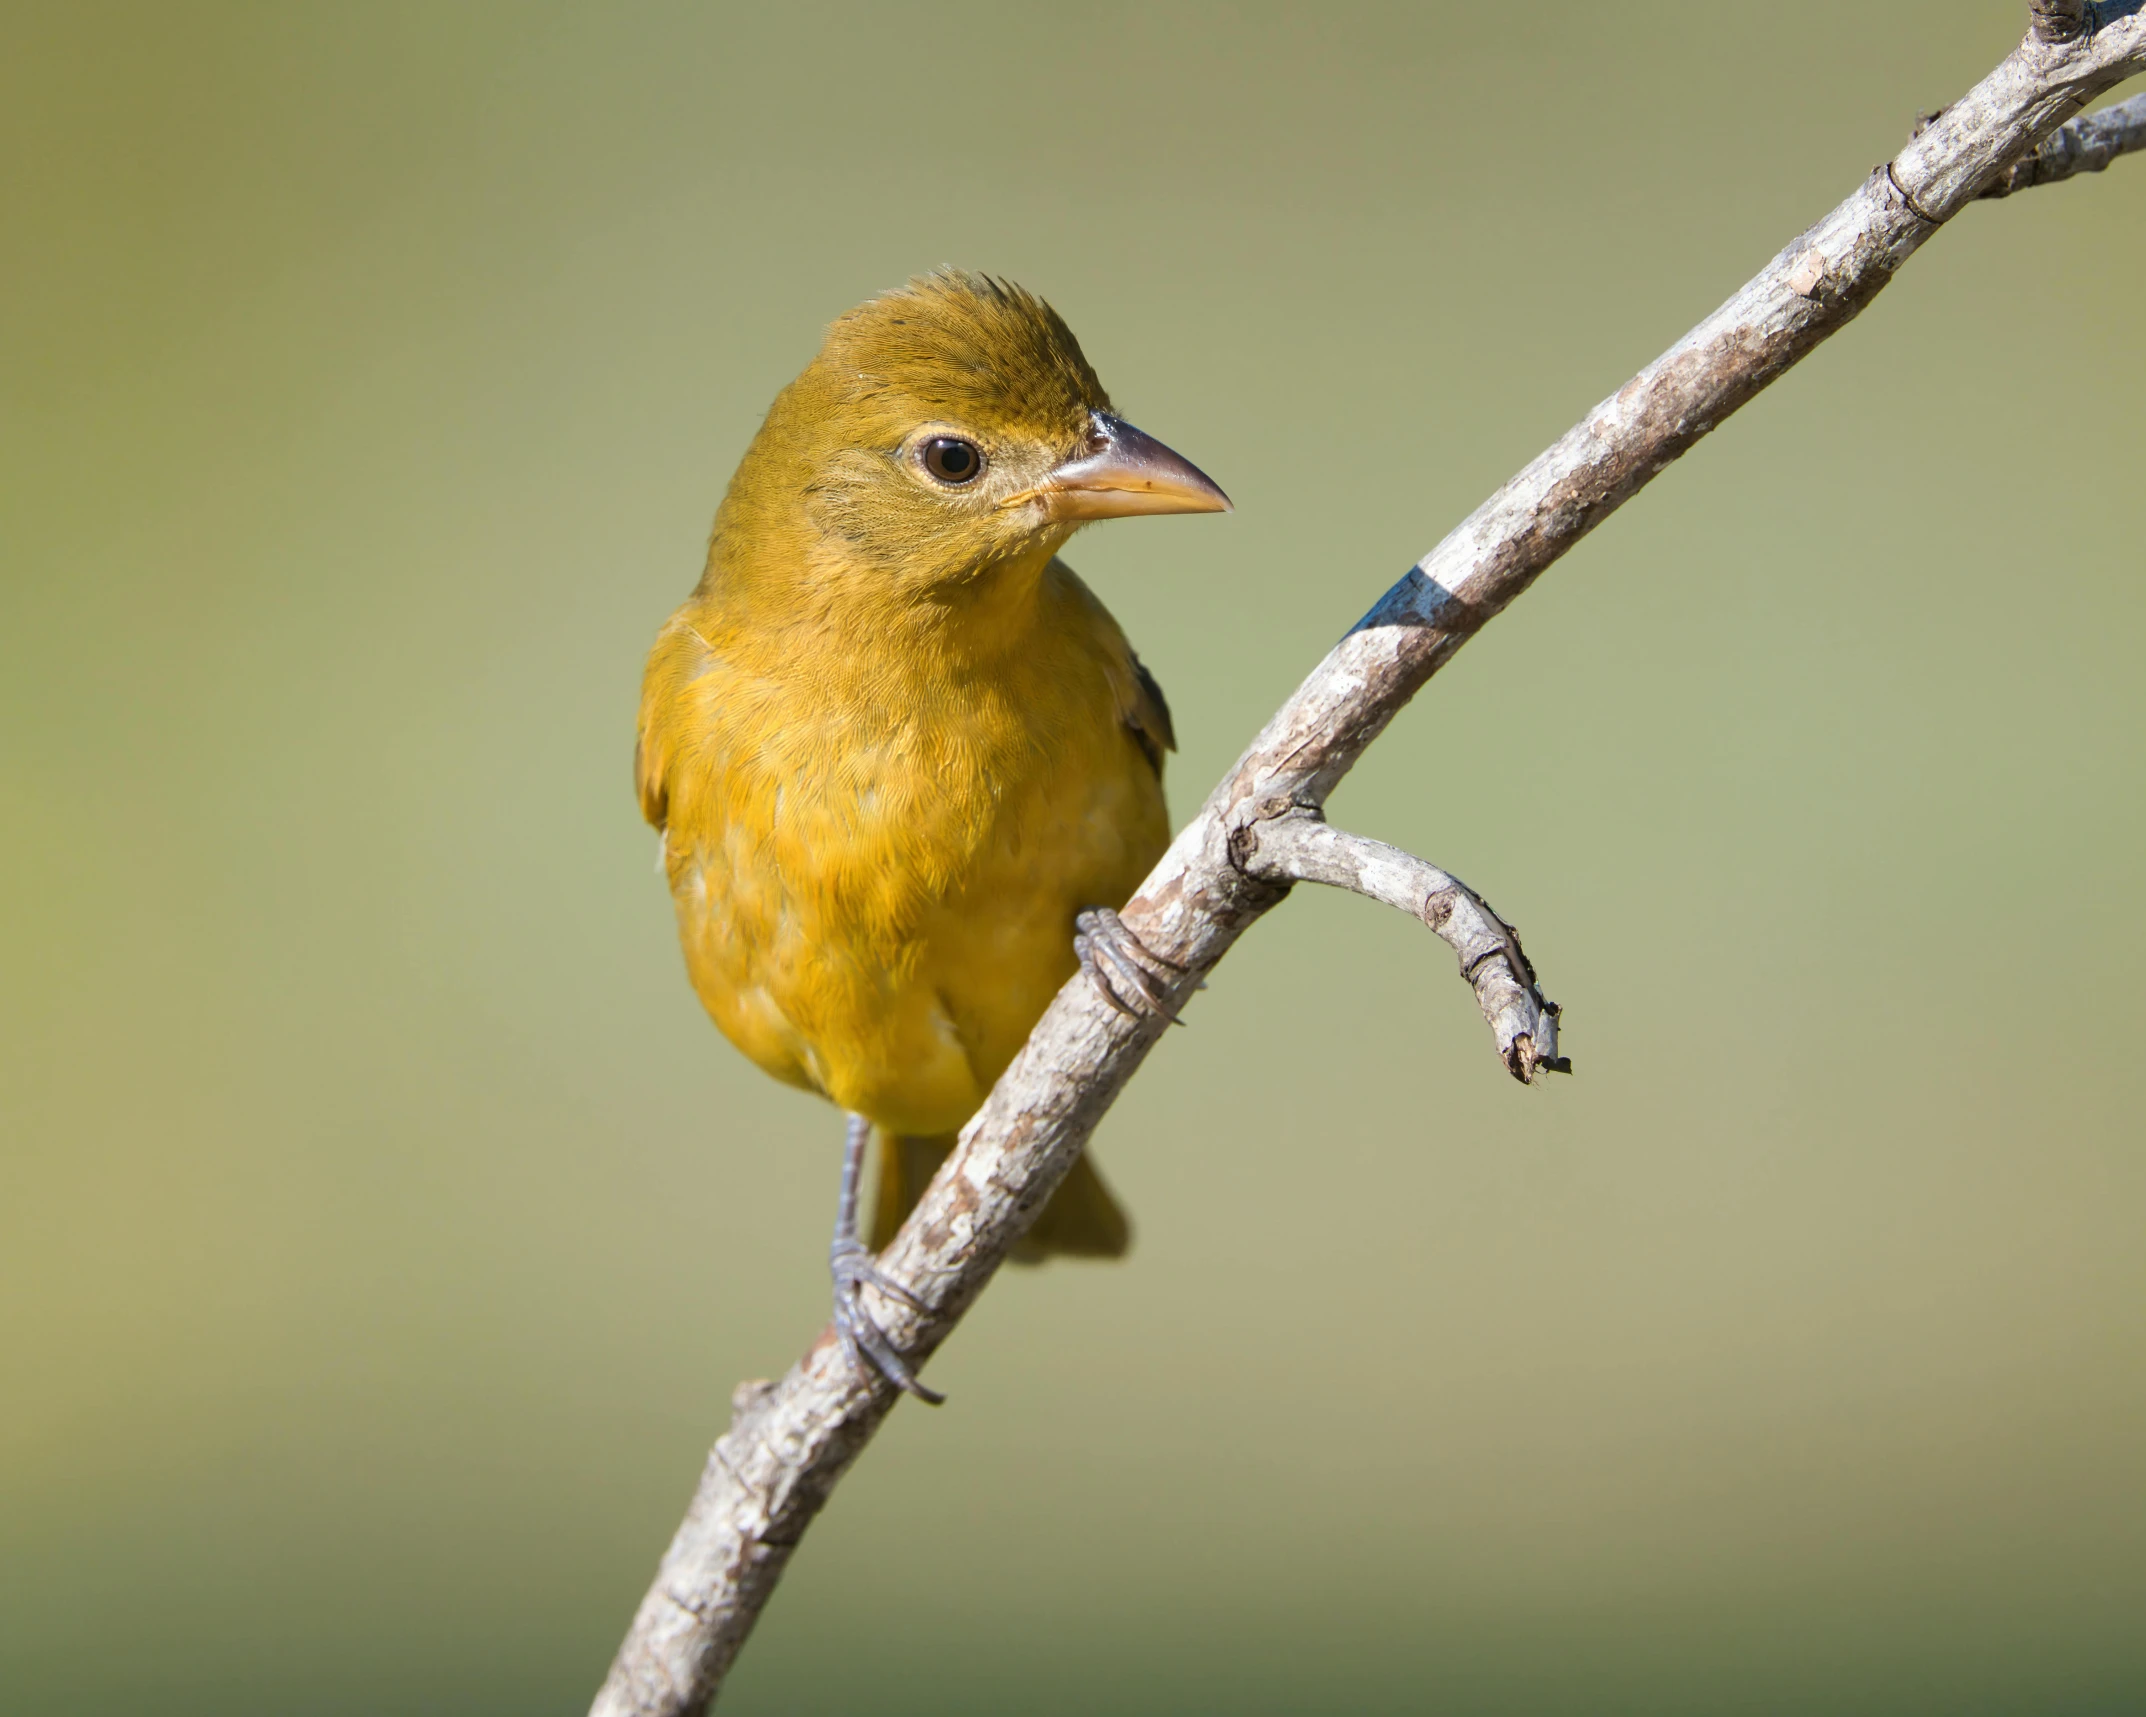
382 1226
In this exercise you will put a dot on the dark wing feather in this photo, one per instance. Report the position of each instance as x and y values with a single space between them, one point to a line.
650 783
1148 721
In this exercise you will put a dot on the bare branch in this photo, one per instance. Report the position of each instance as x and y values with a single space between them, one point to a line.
791 1441
2083 145
1302 847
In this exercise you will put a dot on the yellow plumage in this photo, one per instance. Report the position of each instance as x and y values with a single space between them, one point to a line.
893 743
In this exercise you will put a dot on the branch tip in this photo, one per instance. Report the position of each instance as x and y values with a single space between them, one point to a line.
1301 846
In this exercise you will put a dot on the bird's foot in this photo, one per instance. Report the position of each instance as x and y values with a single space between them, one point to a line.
853 1268
1131 976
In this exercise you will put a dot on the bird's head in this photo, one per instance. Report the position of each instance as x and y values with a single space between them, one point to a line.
947 428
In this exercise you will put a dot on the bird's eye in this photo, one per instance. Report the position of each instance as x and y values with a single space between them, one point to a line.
952 460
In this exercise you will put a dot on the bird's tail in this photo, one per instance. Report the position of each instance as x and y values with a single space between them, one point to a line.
1082 1220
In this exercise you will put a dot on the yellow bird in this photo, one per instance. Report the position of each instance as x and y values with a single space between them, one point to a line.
904 764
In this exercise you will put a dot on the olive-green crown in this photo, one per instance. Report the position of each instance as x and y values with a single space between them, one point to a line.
970 347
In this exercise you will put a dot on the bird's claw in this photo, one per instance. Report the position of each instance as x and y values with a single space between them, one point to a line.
1107 947
854 1268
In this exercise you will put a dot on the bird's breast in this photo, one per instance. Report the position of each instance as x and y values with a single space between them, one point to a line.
876 894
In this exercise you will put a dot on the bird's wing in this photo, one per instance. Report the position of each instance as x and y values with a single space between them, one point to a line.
1142 709
681 656
1149 719
649 782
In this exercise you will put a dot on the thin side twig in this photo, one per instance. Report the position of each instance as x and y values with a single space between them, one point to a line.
791 1441
2083 145
1304 847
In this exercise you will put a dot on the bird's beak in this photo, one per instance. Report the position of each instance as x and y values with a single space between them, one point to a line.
1121 473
